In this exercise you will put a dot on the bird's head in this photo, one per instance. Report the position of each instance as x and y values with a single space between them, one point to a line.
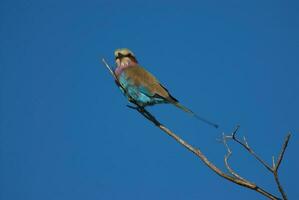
124 57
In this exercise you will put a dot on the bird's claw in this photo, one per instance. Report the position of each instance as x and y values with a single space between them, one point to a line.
132 107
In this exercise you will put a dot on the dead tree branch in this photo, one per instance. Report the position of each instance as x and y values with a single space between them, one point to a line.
232 176
273 169
246 146
227 156
235 178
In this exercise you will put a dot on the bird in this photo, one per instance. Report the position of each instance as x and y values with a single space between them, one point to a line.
141 87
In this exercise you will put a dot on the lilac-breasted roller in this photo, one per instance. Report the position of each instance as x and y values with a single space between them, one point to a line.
141 86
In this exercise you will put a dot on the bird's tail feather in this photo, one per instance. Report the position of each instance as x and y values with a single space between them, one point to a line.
187 110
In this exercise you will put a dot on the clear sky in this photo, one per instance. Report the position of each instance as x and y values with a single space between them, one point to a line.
65 130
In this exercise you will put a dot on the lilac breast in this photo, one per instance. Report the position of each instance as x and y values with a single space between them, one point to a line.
118 70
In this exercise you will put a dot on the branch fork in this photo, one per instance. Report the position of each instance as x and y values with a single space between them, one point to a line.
275 165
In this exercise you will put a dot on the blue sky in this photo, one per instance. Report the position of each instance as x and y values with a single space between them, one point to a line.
65 130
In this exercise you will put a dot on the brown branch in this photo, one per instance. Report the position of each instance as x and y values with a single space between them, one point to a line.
227 156
204 159
283 149
245 144
274 168
235 179
109 69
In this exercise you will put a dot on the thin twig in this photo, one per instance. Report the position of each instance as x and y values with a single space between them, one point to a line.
273 162
283 149
226 157
245 144
109 68
276 167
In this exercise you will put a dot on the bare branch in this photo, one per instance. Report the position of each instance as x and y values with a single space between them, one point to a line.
226 157
276 166
283 149
273 162
245 145
109 68
205 160
282 192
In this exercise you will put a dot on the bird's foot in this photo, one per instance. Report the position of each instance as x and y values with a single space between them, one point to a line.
132 107
145 113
